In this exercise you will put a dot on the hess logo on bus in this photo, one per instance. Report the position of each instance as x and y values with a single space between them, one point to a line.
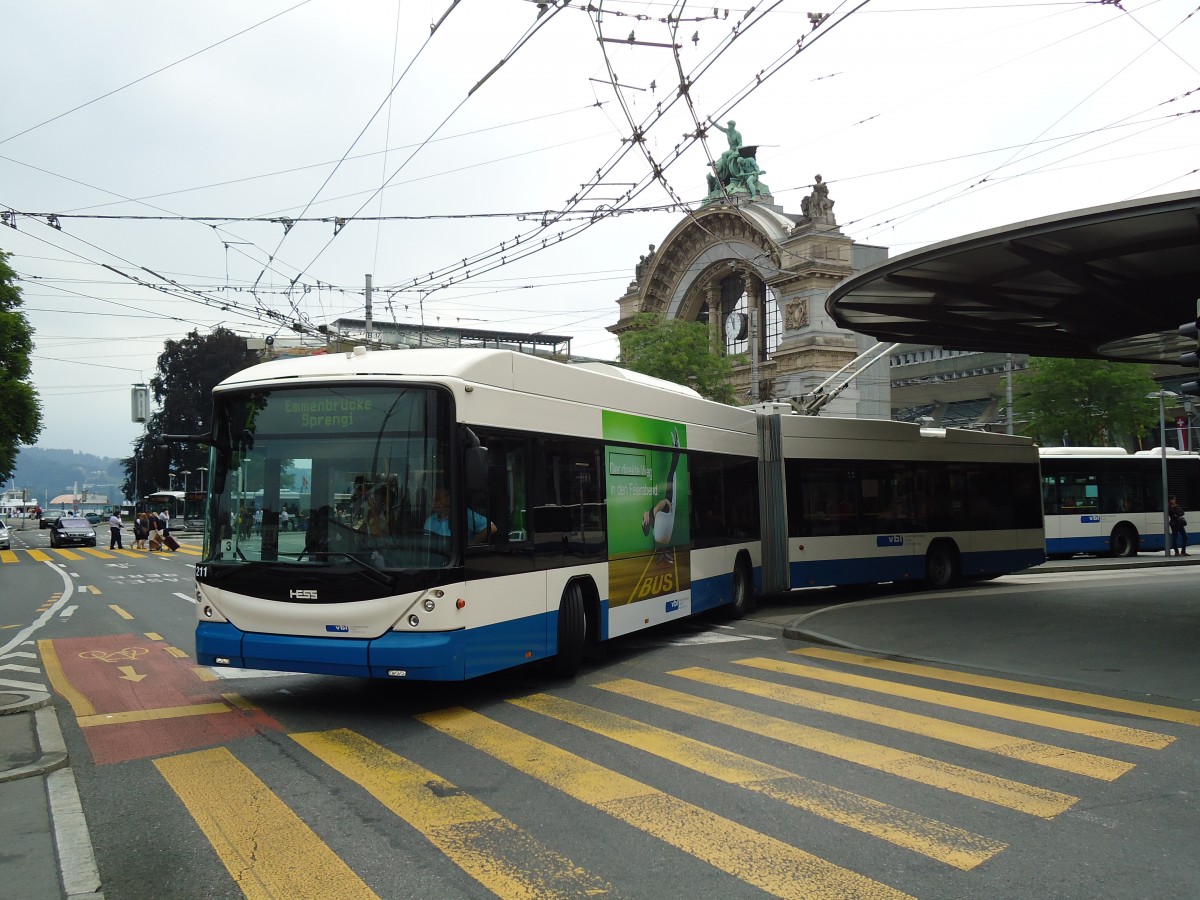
302 594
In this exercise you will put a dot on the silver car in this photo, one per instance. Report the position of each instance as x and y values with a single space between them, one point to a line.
5 543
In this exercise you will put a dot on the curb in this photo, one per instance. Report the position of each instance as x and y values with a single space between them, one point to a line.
49 736
78 872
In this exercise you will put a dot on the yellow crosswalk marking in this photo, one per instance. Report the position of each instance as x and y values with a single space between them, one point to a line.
8 556
123 552
1077 698
502 857
67 554
1058 721
946 843
1061 758
101 554
722 843
960 780
267 848
38 555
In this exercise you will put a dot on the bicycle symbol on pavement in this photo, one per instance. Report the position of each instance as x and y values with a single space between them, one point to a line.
126 655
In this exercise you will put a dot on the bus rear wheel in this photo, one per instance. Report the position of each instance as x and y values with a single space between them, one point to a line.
572 632
1124 541
941 569
742 599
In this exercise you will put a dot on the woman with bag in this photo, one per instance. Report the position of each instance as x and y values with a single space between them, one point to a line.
1179 536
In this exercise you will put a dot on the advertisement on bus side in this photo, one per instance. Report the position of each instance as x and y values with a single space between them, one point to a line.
649 539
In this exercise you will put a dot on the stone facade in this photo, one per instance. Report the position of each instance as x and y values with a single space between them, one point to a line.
766 274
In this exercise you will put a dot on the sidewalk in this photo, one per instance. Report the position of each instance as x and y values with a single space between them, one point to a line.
48 852
1079 632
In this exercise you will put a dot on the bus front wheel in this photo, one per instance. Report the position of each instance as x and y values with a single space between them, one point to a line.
572 632
1124 541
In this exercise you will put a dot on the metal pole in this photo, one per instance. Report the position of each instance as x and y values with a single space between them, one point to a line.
1008 398
1162 451
367 295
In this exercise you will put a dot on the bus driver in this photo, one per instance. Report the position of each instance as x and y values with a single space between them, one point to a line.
479 529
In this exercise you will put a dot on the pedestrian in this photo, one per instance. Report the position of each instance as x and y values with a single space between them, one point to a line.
114 531
283 519
155 535
141 531
1179 538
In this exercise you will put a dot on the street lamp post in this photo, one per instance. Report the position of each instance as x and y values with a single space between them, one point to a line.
186 473
1161 396
202 470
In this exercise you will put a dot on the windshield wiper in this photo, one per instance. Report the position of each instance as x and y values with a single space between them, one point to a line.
376 575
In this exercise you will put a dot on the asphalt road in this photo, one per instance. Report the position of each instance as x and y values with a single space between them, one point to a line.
1056 758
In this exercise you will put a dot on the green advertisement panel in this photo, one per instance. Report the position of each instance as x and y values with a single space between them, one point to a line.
649 539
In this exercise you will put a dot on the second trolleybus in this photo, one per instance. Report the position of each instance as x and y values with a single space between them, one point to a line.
457 512
1106 501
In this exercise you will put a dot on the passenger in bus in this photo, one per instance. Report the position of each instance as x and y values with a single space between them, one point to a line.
375 518
479 529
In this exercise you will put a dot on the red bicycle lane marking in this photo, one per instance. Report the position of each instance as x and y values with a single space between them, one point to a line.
133 699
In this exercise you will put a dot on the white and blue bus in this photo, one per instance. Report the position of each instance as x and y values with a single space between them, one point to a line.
466 511
1106 501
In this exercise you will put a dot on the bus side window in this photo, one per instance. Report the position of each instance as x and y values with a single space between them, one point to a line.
505 503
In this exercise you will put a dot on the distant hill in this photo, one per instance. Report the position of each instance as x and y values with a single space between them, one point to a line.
47 473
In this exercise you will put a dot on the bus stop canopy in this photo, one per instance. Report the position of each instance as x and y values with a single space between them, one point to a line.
1109 282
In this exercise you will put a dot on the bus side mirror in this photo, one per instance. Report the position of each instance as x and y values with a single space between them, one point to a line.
162 466
475 469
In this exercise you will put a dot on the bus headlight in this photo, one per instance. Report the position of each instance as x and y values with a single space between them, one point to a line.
413 620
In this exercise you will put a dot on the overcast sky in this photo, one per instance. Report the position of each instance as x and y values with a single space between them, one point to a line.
164 137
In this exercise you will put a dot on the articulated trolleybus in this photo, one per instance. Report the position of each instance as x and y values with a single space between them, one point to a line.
458 512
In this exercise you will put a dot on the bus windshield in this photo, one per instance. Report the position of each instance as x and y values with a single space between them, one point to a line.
318 475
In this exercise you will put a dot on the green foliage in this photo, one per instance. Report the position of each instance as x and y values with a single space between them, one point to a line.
20 409
679 352
1096 402
187 372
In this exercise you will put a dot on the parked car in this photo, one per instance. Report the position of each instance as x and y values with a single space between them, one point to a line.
72 530
93 517
4 539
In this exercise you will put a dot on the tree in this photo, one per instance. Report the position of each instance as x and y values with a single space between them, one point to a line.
1088 402
20 409
187 372
677 351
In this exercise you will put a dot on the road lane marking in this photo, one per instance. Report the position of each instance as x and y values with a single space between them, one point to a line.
80 704
99 554
1077 698
722 843
39 555
67 554
502 857
8 556
120 612
153 715
1009 746
1058 721
946 843
993 789
266 848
